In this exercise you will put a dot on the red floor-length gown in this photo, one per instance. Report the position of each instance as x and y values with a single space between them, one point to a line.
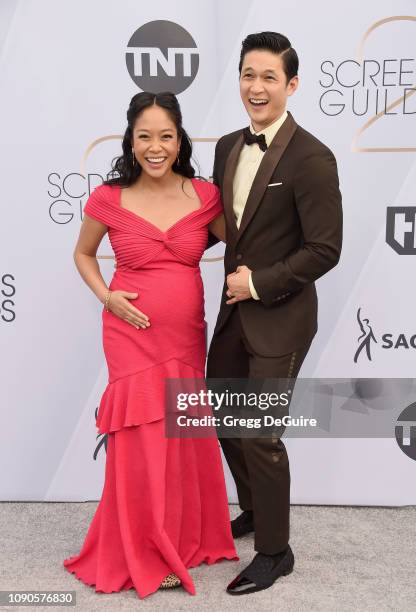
164 505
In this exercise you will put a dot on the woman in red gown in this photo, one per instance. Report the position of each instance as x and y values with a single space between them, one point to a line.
164 505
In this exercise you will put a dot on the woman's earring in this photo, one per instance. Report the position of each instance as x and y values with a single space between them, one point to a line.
133 155
177 159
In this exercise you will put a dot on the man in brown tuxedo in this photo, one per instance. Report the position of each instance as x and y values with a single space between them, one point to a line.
282 205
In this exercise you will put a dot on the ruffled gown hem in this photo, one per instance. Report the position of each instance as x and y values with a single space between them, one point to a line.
207 559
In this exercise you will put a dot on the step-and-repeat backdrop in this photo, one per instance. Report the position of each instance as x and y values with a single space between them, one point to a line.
68 70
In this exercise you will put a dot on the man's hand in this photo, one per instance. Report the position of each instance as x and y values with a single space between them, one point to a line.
238 287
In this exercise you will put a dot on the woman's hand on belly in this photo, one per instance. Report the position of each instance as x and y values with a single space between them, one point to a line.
120 306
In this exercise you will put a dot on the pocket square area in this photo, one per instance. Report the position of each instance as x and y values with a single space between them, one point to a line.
274 184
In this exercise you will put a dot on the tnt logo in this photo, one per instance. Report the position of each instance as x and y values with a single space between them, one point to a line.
401 229
405 431
162 56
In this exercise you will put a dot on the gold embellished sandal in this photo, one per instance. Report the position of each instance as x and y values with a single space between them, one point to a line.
170 582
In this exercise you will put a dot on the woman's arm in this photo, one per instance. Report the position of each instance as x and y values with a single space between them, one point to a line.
217 227
90 237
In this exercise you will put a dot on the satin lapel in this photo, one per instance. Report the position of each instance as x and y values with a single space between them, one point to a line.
229 172
267 166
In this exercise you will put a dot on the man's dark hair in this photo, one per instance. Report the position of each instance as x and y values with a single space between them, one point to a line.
276 43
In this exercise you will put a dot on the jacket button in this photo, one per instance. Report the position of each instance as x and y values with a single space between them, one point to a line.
239 257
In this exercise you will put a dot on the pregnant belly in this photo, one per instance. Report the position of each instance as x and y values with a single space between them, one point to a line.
164 294
174 304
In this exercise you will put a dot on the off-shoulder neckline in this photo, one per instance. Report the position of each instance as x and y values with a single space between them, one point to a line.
196 183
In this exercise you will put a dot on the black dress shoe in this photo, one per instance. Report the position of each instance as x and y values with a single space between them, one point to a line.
242 524
262 572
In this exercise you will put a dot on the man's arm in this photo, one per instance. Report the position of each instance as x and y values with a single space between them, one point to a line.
318 201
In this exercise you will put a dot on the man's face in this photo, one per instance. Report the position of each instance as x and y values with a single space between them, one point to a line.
263 87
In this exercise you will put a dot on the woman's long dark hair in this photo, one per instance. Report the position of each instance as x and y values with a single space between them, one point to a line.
124 172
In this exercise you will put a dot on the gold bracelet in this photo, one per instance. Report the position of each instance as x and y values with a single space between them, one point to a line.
107 299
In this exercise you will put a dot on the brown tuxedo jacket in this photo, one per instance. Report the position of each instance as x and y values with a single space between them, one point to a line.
290 235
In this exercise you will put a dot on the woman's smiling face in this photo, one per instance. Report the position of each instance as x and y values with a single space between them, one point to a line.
155 141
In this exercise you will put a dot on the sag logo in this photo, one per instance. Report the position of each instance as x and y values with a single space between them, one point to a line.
162 56
401 229
365 338
397 341
405 431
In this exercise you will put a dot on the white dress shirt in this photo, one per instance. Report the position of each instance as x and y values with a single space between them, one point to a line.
247 167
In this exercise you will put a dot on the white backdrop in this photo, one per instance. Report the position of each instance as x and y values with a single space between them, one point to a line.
65 89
